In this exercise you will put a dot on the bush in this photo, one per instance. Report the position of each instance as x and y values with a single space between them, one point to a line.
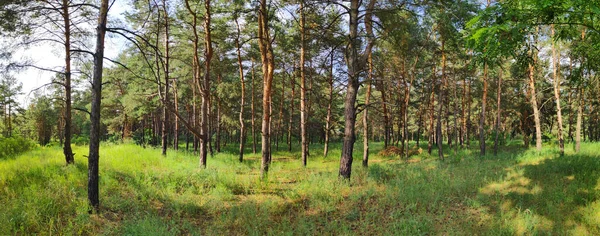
13 146
80 140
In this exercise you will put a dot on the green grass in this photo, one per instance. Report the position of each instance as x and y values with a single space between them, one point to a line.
143 193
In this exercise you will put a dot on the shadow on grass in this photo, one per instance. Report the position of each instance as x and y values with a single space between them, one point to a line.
548 196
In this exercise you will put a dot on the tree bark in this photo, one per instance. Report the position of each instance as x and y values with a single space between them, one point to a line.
499 112
354 68
365 160
93 156
579 120
440 137
534 105
69 156
165 121
303 112
268 63
243 91
329 104
293 85
556 75
252 110
483 106
205 91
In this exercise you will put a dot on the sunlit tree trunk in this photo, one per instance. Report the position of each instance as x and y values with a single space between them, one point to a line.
303 112
556 77
242 91
268 63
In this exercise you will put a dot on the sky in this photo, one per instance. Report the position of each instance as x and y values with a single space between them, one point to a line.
52 57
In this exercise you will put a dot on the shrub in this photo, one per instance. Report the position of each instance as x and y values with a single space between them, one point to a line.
13 146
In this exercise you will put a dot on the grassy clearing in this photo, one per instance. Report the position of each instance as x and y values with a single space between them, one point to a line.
142 193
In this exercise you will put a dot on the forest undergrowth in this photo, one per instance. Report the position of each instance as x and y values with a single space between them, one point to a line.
518 191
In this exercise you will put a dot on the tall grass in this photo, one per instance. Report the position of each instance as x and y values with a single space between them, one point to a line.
143 193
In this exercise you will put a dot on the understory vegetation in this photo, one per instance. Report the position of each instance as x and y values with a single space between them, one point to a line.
519 191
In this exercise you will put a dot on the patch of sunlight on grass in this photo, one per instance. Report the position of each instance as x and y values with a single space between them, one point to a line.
514 182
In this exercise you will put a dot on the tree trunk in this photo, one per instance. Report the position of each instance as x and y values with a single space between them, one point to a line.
205 88
176 130
483 106
555 72
352 90
579 121
499 112
293 85
329 104
268 63
69 156
218 121
165 121
353 82
303 112
365 160
431 108
243 90
534 105
440 137
93 156
252 110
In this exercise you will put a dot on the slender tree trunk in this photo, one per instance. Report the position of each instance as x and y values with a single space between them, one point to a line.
303 112
176 130
218 121
165 121
406 103
252 110
365 160
93 156
579 120
69 156
291 116
555 72
243 90
440 137
279 132
468 122
329 104
268 63
483 107
431 108
534 105
499 112
205 92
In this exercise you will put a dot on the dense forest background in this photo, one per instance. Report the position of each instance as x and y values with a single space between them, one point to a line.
258 77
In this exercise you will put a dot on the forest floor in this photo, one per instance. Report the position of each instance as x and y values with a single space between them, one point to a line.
143 193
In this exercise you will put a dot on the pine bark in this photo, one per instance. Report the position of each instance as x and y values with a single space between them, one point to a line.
303 112
482 115
556 75
93 156
68 152
268 63
242 91
329 104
